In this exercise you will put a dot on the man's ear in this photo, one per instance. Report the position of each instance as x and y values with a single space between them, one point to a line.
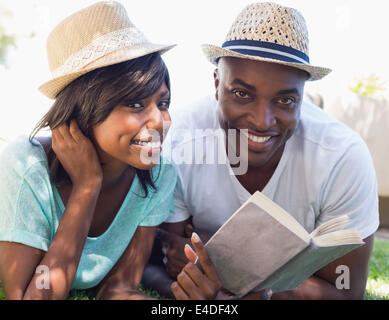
217 82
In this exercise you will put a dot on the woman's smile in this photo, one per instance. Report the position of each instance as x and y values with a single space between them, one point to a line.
148 147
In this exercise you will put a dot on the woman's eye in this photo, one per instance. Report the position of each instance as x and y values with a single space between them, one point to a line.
164 104
241 94
135 105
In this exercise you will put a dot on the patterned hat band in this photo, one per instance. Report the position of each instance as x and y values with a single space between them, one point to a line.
267 50
100 47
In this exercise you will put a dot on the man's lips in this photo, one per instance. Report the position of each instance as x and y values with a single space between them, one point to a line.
258 137
257 141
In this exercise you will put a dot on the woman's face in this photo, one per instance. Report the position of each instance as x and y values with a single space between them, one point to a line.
133 134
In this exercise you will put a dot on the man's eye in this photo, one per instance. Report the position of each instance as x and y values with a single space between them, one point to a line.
286 101
241 94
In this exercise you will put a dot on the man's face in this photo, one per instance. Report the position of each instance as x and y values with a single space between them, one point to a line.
265 99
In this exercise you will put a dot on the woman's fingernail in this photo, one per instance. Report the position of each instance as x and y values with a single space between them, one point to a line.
195 237
187 246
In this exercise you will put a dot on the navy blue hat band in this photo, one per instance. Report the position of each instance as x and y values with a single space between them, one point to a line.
267 50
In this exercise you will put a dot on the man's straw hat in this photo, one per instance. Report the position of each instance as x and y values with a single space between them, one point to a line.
95 37
271 33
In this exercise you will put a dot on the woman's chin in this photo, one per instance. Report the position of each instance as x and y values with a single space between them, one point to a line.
146 164
145 167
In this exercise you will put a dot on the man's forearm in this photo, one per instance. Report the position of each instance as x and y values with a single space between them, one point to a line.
123 295
156 278
315 288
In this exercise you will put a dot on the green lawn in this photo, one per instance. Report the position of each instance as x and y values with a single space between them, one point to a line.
378 281
377 285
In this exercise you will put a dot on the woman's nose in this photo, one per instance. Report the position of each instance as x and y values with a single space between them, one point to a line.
158 122
155 118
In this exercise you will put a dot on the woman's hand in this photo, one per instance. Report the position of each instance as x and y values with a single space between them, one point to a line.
192 283
77 155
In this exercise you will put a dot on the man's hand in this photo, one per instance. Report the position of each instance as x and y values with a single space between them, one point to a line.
193 282
173 247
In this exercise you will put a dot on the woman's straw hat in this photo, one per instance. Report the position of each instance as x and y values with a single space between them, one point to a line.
271 33
95 37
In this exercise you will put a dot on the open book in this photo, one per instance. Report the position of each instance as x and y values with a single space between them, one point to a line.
262 246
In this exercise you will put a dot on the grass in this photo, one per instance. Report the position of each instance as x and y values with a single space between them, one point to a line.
377 287
89 294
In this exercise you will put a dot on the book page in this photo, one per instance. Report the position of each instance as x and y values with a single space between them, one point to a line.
338 223
338 237
304 265
280 214
249 247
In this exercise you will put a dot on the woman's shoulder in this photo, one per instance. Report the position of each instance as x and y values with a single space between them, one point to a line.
21 154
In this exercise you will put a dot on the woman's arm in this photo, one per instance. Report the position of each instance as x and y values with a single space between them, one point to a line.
122 282
18 263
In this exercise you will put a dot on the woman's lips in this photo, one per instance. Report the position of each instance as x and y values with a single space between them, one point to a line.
147 144
149 147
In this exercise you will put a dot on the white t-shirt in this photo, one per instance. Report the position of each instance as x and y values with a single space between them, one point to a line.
325 171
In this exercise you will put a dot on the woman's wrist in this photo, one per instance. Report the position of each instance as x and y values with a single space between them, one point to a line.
92 186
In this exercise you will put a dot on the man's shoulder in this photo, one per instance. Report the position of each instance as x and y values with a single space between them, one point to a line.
197 114
194 122
318 128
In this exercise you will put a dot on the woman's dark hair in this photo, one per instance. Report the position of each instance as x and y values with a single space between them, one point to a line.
90 98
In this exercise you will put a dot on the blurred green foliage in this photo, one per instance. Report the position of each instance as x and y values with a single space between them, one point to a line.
6 40
370 86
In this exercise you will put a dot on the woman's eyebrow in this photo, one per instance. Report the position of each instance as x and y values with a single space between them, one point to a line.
164 93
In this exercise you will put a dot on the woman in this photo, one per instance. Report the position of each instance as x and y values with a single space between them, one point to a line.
80 209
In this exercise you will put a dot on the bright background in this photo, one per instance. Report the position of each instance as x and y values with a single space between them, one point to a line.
349 36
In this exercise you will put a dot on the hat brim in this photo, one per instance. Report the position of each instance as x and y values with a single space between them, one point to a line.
214 53
51 88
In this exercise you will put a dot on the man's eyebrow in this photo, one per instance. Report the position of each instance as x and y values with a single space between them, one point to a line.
289 91
244 84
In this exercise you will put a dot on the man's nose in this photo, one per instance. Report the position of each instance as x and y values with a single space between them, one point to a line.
263 117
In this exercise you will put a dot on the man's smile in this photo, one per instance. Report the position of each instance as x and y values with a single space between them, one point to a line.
257 142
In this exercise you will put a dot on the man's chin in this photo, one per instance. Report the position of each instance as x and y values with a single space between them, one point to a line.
258 160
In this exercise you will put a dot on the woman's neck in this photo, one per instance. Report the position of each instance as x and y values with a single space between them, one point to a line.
113 175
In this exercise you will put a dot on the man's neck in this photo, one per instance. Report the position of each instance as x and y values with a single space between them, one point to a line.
255 179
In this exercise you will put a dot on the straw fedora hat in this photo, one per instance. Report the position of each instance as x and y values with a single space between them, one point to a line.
97 36
271 33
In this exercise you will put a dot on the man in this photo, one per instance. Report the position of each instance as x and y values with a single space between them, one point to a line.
308 163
